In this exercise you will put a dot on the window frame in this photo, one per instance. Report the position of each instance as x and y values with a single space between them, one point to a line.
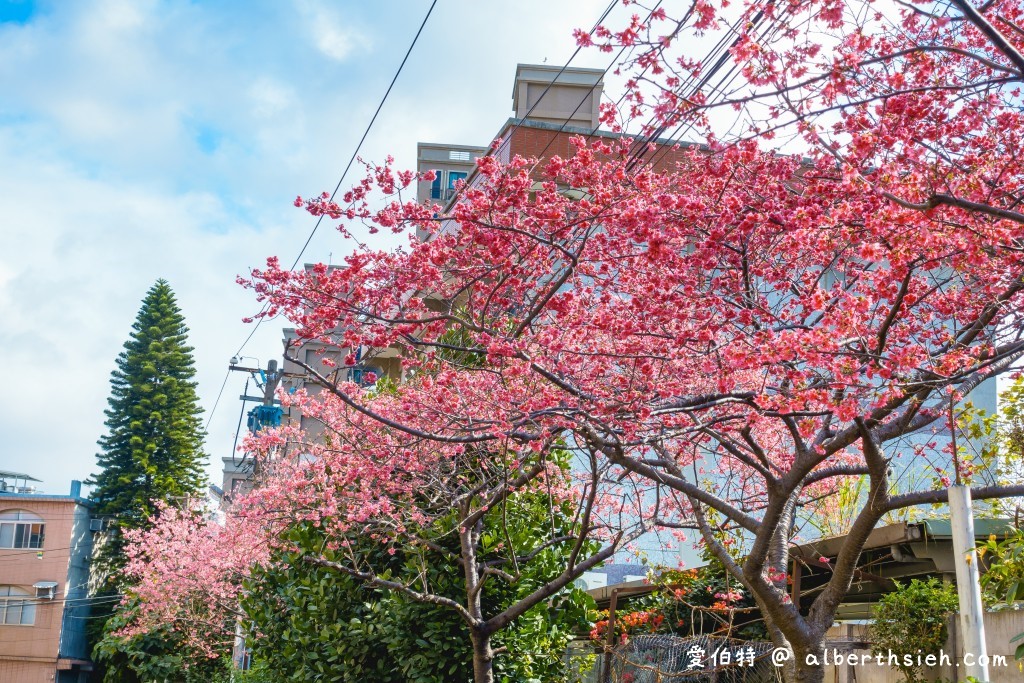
22 601
437 184
27 530
454 177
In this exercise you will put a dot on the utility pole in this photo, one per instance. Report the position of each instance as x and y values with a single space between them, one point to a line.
972 614
268 414
965 557
273 379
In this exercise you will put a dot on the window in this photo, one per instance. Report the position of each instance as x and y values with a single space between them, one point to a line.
20 529
435 184
365 375
16 607
457 155
454 176
443 185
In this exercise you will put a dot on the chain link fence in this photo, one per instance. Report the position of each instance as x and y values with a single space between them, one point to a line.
673 659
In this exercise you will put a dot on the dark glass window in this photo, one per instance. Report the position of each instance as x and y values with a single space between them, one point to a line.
21 529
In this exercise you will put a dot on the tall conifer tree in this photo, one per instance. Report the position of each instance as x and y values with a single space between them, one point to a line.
153 449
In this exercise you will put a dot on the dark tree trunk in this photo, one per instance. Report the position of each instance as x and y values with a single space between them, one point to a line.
483 656
808 665
790 633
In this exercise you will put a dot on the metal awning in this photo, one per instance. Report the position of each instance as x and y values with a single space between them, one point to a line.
896 552
17 475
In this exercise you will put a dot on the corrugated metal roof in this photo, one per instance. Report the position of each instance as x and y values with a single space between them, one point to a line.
983 528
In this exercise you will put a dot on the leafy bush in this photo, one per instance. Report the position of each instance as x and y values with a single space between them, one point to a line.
309 622
1003 584
913 620
158 655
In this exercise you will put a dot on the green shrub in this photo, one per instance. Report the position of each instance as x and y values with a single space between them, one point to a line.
912 621
1003 584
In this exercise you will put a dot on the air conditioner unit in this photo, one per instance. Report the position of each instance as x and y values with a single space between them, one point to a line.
45 590
591 580
96 524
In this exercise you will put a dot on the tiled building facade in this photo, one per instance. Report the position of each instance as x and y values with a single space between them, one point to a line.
45 546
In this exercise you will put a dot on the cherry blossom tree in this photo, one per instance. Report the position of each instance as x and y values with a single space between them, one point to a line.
188 570
513 527
736 328
509 518
714 335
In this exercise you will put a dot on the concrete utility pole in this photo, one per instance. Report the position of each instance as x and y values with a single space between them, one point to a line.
267 413
972 615
273 379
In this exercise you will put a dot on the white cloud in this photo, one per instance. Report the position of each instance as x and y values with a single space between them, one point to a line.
270 98
115 16
331 37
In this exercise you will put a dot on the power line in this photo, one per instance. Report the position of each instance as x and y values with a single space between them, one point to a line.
366 132
26 553
238 428
220 393
720 53
373 120
32 601
348 166
355 153
260 317
458 193
544 92
615 60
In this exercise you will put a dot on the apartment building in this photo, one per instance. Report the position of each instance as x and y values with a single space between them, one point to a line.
45 546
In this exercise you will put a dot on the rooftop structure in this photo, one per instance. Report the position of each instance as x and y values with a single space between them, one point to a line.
557 95
16 482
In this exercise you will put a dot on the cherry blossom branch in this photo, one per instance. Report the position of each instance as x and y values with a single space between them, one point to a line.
412 431
940 199
836 471
998 40
913 498
571 573
824 606
615 455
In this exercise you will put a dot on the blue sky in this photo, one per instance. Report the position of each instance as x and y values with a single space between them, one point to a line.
150 139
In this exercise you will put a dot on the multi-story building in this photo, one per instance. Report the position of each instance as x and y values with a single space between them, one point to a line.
450 164
237 477
45 546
